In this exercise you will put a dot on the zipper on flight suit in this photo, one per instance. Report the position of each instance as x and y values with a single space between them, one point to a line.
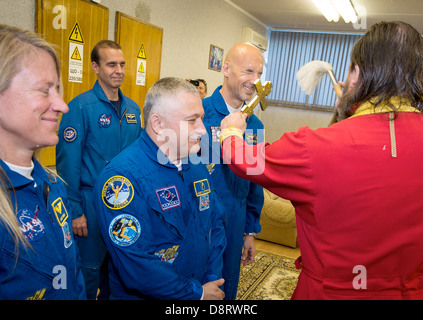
181 174
120 135
120 129
120 123
46 192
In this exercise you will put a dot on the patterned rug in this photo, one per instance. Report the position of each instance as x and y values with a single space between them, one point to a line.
269 277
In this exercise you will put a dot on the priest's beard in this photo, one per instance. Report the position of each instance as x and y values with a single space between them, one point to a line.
346 103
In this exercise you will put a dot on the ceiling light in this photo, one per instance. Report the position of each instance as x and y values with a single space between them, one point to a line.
325 6
331 9
346 10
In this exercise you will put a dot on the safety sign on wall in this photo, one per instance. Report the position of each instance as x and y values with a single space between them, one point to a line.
141 66
76 55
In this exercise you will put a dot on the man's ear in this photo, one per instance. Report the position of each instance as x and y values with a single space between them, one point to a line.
95 66
156 123
225 69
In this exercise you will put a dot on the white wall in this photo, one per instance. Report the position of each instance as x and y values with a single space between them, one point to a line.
19 13
189 27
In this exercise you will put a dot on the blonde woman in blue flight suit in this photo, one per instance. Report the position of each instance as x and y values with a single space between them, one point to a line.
38 255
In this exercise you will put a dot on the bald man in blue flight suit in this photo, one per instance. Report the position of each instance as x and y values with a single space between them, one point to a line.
100 123
243 200
158 213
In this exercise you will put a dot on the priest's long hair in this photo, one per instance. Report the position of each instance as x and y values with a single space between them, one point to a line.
390 59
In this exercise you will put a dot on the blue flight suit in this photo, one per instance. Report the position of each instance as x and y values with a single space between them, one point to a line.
50 270
90 135
243 200
163 228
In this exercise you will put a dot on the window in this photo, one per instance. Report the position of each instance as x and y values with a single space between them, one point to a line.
290 50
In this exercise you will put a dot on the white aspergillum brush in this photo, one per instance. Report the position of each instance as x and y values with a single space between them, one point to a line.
311 73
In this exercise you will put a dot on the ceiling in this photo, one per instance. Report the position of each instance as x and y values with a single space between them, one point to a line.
303 15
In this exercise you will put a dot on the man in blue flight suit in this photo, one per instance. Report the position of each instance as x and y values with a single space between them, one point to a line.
243 200
99 125
158 213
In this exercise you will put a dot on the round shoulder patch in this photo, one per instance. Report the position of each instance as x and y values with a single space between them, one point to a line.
124 230
117 192
69 134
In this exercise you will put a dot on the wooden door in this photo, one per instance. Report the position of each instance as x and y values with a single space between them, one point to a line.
74 26
141 43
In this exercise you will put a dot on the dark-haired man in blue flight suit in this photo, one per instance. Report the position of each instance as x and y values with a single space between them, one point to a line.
100 123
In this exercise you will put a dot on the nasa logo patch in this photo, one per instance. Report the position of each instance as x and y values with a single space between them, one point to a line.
124 230
168 197
117 192
69 134
31 225
105 120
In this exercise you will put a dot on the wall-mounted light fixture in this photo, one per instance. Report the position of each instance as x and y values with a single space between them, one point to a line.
331 9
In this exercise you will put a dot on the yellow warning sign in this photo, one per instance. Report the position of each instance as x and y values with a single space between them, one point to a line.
76 55
76 58
141 69
141 72
76 34
141 53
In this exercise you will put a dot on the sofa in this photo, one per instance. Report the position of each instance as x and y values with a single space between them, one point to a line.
278 221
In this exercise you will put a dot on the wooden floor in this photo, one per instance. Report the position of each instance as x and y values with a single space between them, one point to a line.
277 248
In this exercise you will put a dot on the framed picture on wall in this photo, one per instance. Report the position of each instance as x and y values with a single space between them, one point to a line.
215 58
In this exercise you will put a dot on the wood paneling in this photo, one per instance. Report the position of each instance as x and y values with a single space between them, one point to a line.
140 41
55 21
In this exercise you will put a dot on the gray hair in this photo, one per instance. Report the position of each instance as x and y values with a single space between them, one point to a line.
162 89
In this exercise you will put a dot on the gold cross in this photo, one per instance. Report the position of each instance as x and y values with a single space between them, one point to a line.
262 93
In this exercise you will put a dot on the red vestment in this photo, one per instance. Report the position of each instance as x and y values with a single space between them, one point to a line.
359 209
